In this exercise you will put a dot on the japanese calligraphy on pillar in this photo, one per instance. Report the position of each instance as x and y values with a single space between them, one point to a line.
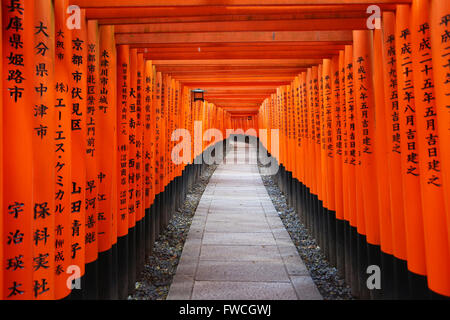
123 139
63 147
132 112
139 138
43 152
17 122
148 134
90 145
105 117
409 153
157 111
440 45
78 127
428 140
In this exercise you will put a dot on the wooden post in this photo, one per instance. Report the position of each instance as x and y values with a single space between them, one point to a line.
17 126
78 81
435 224
107 209
44 160
412 202
123 125
92 150
63 147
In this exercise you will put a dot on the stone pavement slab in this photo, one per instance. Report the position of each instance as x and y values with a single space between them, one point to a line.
237 247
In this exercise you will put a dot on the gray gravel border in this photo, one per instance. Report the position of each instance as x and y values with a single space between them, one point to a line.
330 285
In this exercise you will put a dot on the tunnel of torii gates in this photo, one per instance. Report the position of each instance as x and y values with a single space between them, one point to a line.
358 119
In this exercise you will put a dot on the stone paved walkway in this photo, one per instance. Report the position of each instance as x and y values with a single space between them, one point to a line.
237 247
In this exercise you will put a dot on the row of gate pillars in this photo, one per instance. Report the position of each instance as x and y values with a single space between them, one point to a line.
357 261
113 276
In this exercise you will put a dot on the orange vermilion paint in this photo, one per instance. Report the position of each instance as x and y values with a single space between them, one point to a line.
17 210
349 166
106 118
78 137
380 146
43 200
148 135
394 152
337 108
63 148
140 209
123 125
433 208
412 203
132 139
440 50
91 144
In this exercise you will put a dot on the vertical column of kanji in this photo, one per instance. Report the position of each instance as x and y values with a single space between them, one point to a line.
147 155
337 149
345 167
393 149
63 147
17 126
140 214
288 138
289 150
316 74
152 136
164 170
329 105
433 207
365 109
106 134
132 172
90 146
286 118
412 202
43 151
160 148
78 140
179 114
344 128
185 125
322 158
311 149
115 176
298 163
280 105
440 39
305 147
164 114
123 148
277 111
156 100
382 166
361 235
351 167
294 143
203 119
169 162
